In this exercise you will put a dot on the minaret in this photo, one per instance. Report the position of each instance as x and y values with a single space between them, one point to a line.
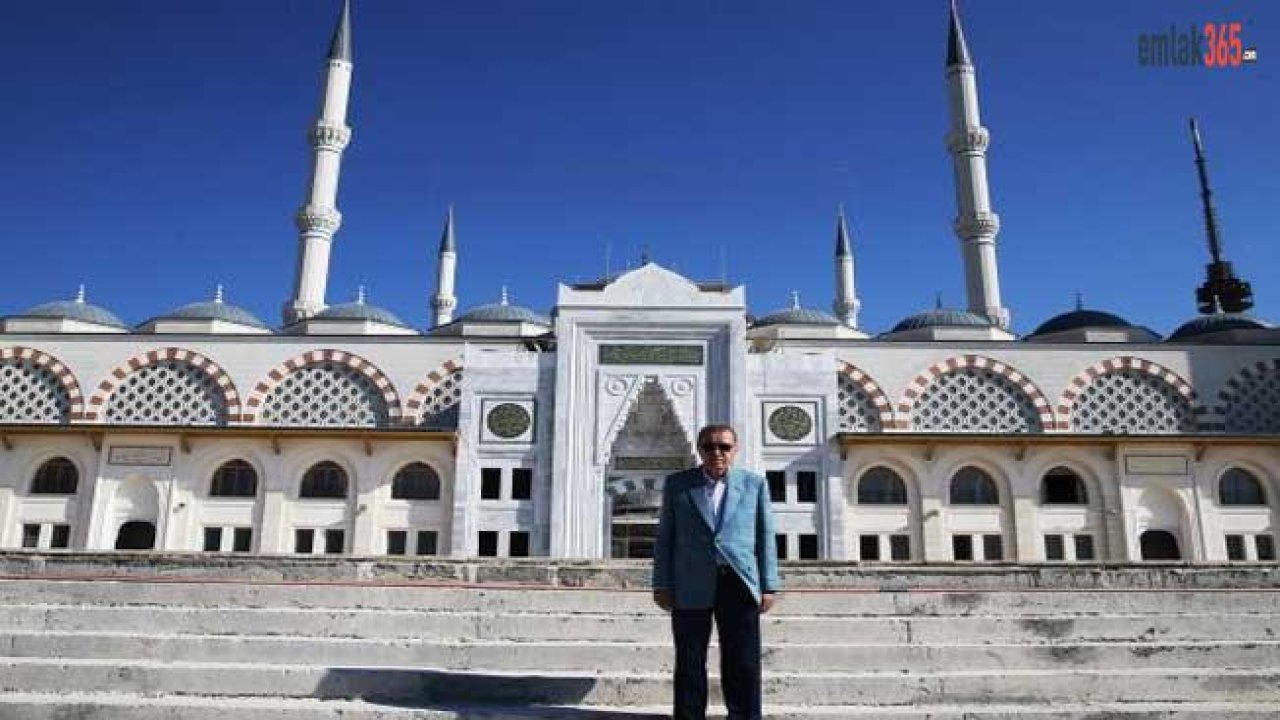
976 224
846 304
1222 290
318 218
445 301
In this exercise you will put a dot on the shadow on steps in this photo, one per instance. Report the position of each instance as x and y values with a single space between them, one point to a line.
489 696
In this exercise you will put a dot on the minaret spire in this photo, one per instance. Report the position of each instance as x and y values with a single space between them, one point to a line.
976 224
846 304
318 219
1222 290
445 301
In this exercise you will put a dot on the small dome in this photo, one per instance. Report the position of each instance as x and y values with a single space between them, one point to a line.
797 316
502 312
1217 322
1080 318
941 317
77 309
360 310
215 309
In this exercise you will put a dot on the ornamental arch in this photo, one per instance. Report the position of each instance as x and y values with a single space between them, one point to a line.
862 405
972 393
169 386
36 387
330 388
1128 395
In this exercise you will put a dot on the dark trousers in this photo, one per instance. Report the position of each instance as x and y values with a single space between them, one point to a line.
737 618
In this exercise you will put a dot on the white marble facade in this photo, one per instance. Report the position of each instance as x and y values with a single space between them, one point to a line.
554 444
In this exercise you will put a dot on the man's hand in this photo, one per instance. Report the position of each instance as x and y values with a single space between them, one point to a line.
663 599
767 602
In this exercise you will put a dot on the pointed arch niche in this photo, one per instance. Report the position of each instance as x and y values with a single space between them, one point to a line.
649 443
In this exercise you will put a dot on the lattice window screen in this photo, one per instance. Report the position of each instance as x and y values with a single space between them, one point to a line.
31 394
1132 401
169 392
974 400
857 411
440 406
1255 406
325 394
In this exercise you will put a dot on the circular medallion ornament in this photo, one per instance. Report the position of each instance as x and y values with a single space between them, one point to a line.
790 422
509 420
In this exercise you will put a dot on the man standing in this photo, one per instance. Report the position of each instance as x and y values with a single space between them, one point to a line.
716 557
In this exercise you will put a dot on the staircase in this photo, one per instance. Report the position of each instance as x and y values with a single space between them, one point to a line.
169 637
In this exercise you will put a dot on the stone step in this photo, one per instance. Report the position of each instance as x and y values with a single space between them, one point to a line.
384 624
108 706
642 657
417 687
499 599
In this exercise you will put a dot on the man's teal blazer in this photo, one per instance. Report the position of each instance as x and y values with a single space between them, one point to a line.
684 559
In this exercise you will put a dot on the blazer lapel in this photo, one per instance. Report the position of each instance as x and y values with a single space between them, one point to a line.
698 494
732 495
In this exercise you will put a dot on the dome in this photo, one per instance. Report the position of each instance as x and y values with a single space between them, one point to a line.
215 309
1080 318
502 311
360 310
941 317
797 316
1217 322
77 310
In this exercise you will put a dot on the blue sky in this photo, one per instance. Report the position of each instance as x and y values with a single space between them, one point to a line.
156 148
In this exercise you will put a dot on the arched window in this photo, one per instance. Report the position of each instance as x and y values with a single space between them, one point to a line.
1061 486
236 478
1240 487
324 480
416 481
881 486
972 486
56 477
1159 545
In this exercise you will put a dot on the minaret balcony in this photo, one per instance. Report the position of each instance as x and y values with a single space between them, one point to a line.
330 136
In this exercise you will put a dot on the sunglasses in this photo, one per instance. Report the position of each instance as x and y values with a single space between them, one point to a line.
712 447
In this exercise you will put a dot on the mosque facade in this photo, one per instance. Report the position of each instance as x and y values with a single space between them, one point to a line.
503 432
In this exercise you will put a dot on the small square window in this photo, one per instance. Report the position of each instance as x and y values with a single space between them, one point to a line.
490 483
1266 546
869 547
396 541
992 548
519 544
1084 548
335 540
777 485
1054 548
521 483
488 543
61 537
900 548
807 486
1235 547
961 547
781 541
304 540
30 536
212 539
242 539
808 547
426 542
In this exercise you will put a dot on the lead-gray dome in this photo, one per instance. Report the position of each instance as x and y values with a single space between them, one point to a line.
1217 322
360 310
502 312
214 310
77 309
941 317
1080 318
797 316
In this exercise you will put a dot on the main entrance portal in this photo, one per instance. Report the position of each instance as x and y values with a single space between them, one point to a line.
651 445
